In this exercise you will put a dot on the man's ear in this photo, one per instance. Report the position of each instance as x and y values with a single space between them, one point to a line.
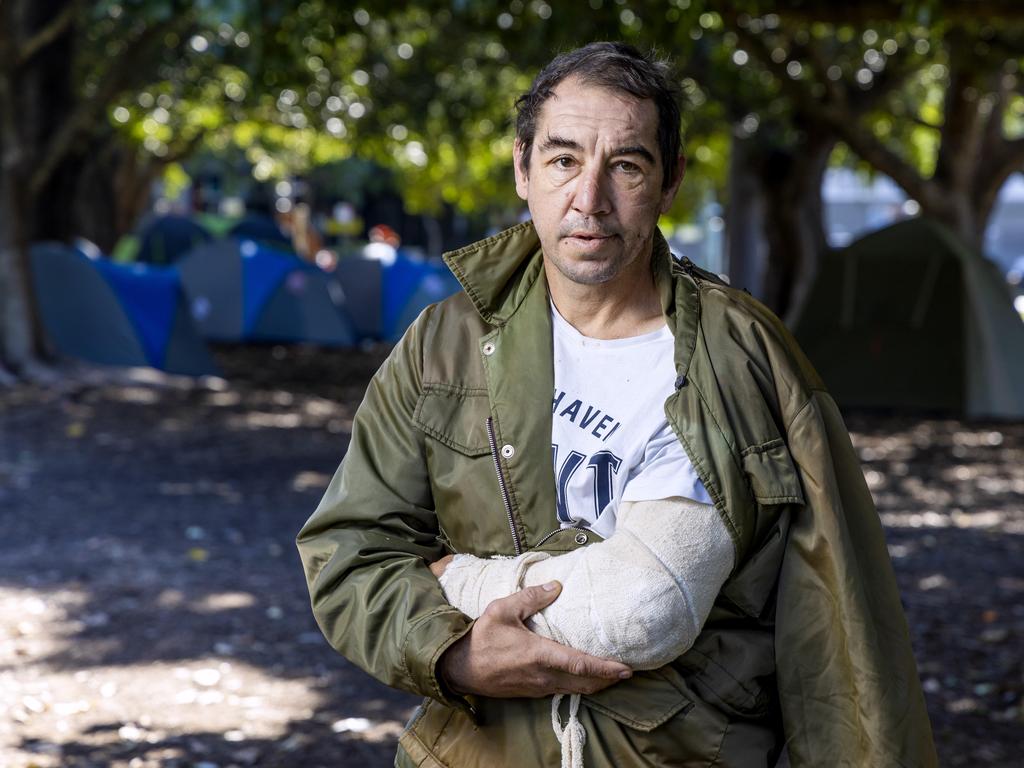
519 166
670 192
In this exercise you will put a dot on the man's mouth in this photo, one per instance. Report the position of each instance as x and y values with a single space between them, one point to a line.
589 235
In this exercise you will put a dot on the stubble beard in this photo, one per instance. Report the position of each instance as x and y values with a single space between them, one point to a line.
588 271
599 269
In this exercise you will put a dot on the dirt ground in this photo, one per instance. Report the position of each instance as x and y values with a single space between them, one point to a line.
153 611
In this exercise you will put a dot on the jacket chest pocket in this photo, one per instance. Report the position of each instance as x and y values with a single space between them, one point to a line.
463 479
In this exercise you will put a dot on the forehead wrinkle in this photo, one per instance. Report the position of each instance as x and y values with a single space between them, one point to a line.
572 125
560 142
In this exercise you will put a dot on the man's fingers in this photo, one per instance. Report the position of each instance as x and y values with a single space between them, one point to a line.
563 659
523 604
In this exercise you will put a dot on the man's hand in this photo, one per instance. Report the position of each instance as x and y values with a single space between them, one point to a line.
501 658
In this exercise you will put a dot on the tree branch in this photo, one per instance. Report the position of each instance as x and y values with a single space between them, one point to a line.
845 121
835 91
88 110
60 24
874 11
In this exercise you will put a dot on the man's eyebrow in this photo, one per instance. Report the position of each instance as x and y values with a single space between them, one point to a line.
551 142
635 150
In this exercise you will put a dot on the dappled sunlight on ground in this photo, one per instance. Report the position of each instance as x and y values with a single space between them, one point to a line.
56 712
951 495
153 610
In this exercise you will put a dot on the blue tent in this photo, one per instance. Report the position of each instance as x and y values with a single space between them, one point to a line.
116 314
165 239
385 299
239 290
410 286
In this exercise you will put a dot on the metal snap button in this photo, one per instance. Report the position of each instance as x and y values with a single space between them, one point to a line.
581 538
488 348
508 451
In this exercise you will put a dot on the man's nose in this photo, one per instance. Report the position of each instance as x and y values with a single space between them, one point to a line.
590 195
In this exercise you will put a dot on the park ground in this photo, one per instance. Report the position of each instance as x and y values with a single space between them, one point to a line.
153 610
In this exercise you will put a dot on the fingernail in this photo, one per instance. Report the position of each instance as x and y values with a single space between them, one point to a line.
625 675
551 586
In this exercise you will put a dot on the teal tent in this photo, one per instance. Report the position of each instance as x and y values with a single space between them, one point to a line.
262 229
907 317
241 291
116 314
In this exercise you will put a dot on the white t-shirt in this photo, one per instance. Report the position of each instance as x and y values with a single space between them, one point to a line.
610 439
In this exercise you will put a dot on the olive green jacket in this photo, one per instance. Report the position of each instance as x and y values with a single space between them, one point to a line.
807 645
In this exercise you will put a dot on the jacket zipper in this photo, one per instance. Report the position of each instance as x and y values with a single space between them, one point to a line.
492 441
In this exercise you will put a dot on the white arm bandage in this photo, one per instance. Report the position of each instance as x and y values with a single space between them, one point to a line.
640 597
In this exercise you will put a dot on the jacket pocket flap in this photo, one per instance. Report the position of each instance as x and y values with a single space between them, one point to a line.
772 475
455 416
645 701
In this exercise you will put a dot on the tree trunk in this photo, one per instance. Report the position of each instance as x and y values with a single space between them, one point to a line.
99 193
746 246
17 347
36 95
776 217
795 220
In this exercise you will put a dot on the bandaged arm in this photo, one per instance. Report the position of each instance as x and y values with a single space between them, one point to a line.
640 596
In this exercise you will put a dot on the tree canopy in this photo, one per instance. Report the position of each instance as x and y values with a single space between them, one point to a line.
112 93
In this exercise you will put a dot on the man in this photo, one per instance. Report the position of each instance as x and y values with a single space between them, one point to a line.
802 643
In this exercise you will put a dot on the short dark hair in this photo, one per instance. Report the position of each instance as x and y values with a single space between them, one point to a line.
617 66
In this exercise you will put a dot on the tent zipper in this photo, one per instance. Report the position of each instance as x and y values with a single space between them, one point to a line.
492 441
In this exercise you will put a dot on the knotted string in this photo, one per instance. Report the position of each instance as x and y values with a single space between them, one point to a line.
572 737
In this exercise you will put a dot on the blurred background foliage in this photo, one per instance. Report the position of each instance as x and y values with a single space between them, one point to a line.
101 99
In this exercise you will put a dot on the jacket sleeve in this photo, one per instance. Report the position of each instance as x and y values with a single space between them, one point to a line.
848 684
366 548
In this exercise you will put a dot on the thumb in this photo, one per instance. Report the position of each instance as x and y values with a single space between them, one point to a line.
529 601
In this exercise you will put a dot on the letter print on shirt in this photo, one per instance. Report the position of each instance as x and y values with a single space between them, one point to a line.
610 439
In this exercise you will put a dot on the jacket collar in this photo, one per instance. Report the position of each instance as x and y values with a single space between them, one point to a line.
498 272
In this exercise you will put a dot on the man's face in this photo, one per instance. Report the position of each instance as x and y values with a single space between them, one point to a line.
594 183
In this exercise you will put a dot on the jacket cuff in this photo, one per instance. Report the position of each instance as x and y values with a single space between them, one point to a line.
426 640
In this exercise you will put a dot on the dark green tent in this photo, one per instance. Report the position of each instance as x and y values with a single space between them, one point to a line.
907 317
165 239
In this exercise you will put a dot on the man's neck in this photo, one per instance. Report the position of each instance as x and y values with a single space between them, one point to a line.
627 306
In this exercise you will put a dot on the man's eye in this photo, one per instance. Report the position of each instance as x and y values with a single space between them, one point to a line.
564 162
627 167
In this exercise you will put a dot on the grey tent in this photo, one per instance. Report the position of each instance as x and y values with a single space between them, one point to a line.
239 290
116 314
361 279
907 317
